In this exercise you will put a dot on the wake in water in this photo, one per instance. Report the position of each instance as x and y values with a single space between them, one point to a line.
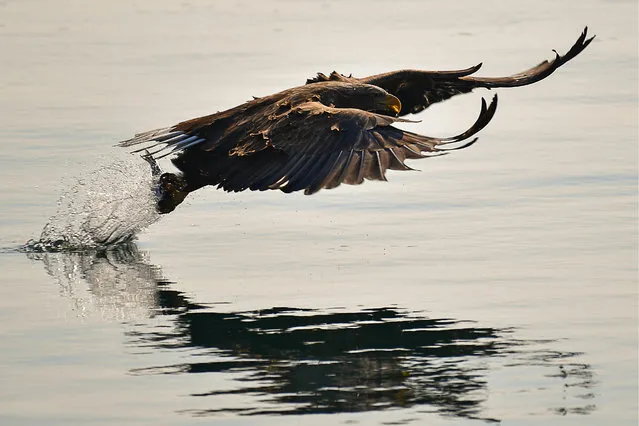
103 208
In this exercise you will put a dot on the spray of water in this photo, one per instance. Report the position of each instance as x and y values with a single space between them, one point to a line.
102 208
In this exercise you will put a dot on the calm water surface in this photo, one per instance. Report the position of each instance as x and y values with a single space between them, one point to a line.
498 284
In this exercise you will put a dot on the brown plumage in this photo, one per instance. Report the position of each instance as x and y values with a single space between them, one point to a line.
335 129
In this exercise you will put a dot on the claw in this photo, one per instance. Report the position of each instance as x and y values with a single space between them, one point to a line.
155 169
171 192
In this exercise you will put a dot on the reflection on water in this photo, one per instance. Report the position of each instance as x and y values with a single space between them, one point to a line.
118 284
284 360
306 361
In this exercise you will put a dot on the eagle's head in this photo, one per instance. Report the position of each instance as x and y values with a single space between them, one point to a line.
359 96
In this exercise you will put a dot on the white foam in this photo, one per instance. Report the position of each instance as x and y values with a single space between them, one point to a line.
103 207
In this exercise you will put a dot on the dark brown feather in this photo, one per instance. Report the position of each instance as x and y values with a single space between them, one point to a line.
417 90
335 129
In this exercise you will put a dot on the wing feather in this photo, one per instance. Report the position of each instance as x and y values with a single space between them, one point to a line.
324 158
337 175
321 178
397 160
307 147
417 90
352 169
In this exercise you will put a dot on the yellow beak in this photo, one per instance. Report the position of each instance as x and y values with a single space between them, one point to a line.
393 103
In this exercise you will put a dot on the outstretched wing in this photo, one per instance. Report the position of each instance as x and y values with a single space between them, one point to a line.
417 90
314 146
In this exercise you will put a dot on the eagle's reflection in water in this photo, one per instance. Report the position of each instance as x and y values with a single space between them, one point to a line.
286 360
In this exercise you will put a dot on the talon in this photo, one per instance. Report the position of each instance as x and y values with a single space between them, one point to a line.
155 168
172 191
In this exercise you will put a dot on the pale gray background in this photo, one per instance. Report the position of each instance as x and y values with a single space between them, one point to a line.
534 227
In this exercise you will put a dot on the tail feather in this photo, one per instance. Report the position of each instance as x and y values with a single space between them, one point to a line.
170 138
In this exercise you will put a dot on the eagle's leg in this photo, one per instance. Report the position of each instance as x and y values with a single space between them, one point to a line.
172 189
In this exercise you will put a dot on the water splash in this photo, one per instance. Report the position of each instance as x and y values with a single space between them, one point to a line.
102 208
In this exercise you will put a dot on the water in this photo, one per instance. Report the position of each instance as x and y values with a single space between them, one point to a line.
291 361
106 207
498 284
